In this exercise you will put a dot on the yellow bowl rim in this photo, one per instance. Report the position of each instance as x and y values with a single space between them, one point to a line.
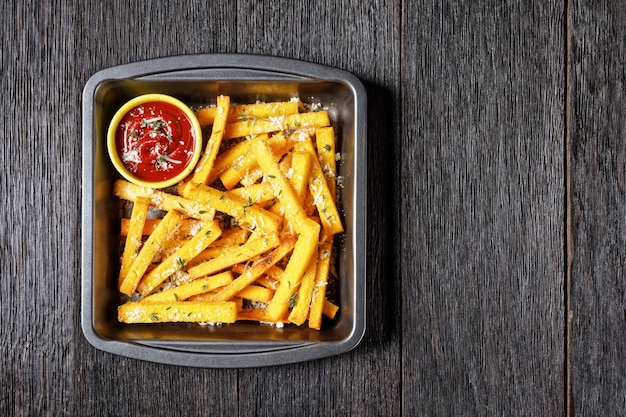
147 98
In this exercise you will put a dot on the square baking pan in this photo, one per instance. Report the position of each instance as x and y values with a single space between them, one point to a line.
197 80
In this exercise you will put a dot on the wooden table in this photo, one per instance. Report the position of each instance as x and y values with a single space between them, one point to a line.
497 206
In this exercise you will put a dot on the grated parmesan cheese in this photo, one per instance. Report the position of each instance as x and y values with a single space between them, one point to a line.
277 121
134 315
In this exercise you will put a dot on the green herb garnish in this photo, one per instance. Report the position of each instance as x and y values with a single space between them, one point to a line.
293 300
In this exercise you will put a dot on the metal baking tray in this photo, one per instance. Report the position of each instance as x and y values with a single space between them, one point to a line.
197 79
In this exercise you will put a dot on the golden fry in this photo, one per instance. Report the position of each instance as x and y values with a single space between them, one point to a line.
147 252
189 289
257 269
276 124
304 249
257 193
321 281
300 309
233 255
230 238
233 155
280 185
245 163
162 200
325 145
330 309
206 116
134 237
148 226
256 293
182 311
300 171
322 197
176 262
259 315
205 165
244 211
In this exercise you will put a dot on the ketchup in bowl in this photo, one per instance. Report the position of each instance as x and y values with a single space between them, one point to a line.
154 140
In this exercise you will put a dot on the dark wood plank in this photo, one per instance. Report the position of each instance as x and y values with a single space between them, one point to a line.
47 367
482 208
40 190
115 33
466 206
598 208
48 53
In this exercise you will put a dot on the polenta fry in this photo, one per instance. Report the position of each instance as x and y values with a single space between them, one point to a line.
162 200
300 171
256 293
322 196
276 124
257 269
182 311
205 165
134 237
244 211
321 281
147 252
303 251
280 185
206 115
232 157
189 289
325 145
245 164
300 309
176 262
233 255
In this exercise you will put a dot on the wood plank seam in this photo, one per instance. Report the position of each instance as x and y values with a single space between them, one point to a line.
568 206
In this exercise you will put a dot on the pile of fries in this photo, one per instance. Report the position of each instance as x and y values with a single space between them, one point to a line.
249 235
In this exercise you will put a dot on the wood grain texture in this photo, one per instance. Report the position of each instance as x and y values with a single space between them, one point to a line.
47 366
52 48
481 209
598 195
40 196
112 33
467 242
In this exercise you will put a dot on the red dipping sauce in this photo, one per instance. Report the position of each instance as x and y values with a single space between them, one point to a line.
155 141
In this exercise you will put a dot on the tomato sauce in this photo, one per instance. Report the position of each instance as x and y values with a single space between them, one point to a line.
155 141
